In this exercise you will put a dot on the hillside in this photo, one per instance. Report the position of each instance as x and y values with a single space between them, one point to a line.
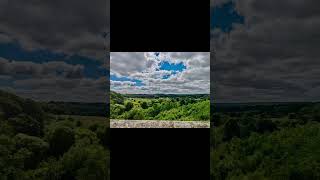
266 141
160 107
37 145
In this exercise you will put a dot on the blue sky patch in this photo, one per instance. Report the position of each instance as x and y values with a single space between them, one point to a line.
116 78
165 65
222 17
14 51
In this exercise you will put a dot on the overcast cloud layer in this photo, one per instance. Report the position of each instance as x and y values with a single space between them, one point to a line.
272 56
73 26
55 50
160 73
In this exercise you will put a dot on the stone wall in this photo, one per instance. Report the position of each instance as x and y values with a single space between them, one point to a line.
158 124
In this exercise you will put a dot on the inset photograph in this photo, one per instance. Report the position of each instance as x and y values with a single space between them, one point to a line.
160 89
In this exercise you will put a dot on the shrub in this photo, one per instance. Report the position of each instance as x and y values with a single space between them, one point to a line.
60 138
231 129
25 124
89 162
85 137
31 149
144 105
128 106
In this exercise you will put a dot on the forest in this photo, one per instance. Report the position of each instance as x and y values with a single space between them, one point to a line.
265 141
36 144
160 107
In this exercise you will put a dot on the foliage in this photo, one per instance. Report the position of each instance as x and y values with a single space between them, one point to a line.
248 144
60 139
35 145
170 107
25 124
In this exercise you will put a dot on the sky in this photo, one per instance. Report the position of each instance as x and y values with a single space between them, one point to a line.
265 51
160 72
55 50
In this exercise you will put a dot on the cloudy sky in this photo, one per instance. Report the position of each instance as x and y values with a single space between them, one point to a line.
160 72
54 50
265 50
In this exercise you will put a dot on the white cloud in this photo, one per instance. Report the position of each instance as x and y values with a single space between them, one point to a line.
145 67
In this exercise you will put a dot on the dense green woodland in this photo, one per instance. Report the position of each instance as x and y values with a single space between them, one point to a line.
160 107
35 144
266 141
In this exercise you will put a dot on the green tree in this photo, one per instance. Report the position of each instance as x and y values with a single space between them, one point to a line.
25 124
231 129
82 163
31 149
264 125
60 138
144 105
103 134
85 137
128 106
9 108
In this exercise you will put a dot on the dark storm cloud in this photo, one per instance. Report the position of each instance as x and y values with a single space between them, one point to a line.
273 56
31 69
73 26
55 80
62 89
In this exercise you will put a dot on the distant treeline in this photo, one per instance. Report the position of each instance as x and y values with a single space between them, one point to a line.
166 95
270 109
76 108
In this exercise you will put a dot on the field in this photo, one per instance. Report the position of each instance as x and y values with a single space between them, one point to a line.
160 107
266 141
35 143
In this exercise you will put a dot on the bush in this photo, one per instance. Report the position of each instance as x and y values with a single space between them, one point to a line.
103 134
34 110
26 124
264 125
60 138
144 105
85 137
94 127
128 106
78 123
9 108
89 162
31 149
231 129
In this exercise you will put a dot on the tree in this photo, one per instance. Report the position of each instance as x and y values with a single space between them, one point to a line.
128 106
9 108
61 138
264 125
144 105
88 162
231 129
30 149
103 134
85 137
25 124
